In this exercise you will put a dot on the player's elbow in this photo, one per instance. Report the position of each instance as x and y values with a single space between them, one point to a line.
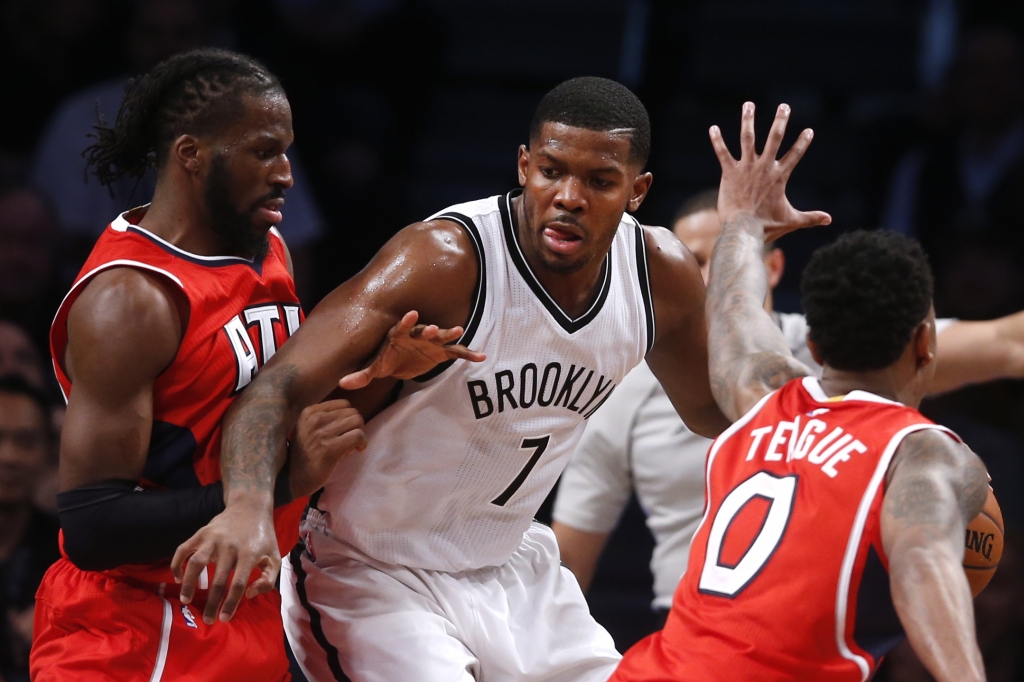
83 548
86 516
707 421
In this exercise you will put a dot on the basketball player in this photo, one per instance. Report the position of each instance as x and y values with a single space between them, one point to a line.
836 512
421 562
178 305
636 441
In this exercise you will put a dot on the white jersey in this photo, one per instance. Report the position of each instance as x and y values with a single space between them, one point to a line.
638 442
456 468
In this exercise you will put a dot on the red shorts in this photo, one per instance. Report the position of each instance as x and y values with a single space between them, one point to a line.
90 626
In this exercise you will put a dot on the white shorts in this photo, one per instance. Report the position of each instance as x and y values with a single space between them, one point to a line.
524 621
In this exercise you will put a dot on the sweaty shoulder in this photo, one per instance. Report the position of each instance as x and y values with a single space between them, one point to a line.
125 322
428 266
676 283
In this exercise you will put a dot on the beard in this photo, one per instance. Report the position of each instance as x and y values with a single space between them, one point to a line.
235 229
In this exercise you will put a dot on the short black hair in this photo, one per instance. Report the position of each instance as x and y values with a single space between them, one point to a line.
15 384
863 296
198 92
597 104
707 200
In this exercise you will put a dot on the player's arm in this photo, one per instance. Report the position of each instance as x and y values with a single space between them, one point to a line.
430 268
749 354
123 331
679 357
935 487
975 352
579 550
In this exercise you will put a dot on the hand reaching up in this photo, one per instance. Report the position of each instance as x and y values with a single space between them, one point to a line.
755 185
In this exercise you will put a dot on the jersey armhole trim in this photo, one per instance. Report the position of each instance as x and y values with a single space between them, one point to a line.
480 296
717 444
644 276
79 286
857 533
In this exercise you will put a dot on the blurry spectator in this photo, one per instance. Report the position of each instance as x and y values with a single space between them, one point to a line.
966 187
28 538
48 48
18 357
159 29
29 287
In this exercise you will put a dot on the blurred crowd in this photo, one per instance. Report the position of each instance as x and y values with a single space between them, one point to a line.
402 107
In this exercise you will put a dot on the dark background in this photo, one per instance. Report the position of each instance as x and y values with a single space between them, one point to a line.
403 107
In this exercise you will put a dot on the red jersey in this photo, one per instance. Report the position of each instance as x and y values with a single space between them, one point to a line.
240 313
787 577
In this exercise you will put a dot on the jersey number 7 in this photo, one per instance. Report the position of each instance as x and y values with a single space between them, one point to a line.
538 445
729 579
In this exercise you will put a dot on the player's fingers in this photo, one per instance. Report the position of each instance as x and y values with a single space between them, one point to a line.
345 422
350 441
721 149
329 407
264 583
812 218
225 562
796 152
778 131
407 323
243 569
460 352
197 563
445 336
357 380
181 555
747 132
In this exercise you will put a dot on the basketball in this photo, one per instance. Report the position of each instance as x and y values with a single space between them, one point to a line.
983 545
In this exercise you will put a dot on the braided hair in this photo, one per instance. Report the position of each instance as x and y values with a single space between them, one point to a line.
198 92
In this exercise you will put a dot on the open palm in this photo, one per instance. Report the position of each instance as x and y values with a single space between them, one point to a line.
755 184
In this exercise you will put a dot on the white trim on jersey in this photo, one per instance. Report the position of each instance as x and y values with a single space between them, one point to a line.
165 641
122 262
853 545
717 445
538 287
121 224
813 387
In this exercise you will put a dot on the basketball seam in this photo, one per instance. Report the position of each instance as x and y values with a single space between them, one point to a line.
993 520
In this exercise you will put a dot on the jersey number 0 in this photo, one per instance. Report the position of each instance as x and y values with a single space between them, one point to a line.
728 580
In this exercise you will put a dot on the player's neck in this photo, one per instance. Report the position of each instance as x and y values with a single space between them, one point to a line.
887 383
574 292
181 219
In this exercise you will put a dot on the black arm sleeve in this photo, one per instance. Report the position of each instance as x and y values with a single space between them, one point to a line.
111 523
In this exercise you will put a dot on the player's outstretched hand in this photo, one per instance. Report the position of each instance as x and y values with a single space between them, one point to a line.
410 350
755 185
326 432
237 541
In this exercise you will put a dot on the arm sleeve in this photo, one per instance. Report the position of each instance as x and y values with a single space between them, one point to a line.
596 484
113 523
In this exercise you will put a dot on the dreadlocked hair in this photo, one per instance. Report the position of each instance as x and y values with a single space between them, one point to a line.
198 93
